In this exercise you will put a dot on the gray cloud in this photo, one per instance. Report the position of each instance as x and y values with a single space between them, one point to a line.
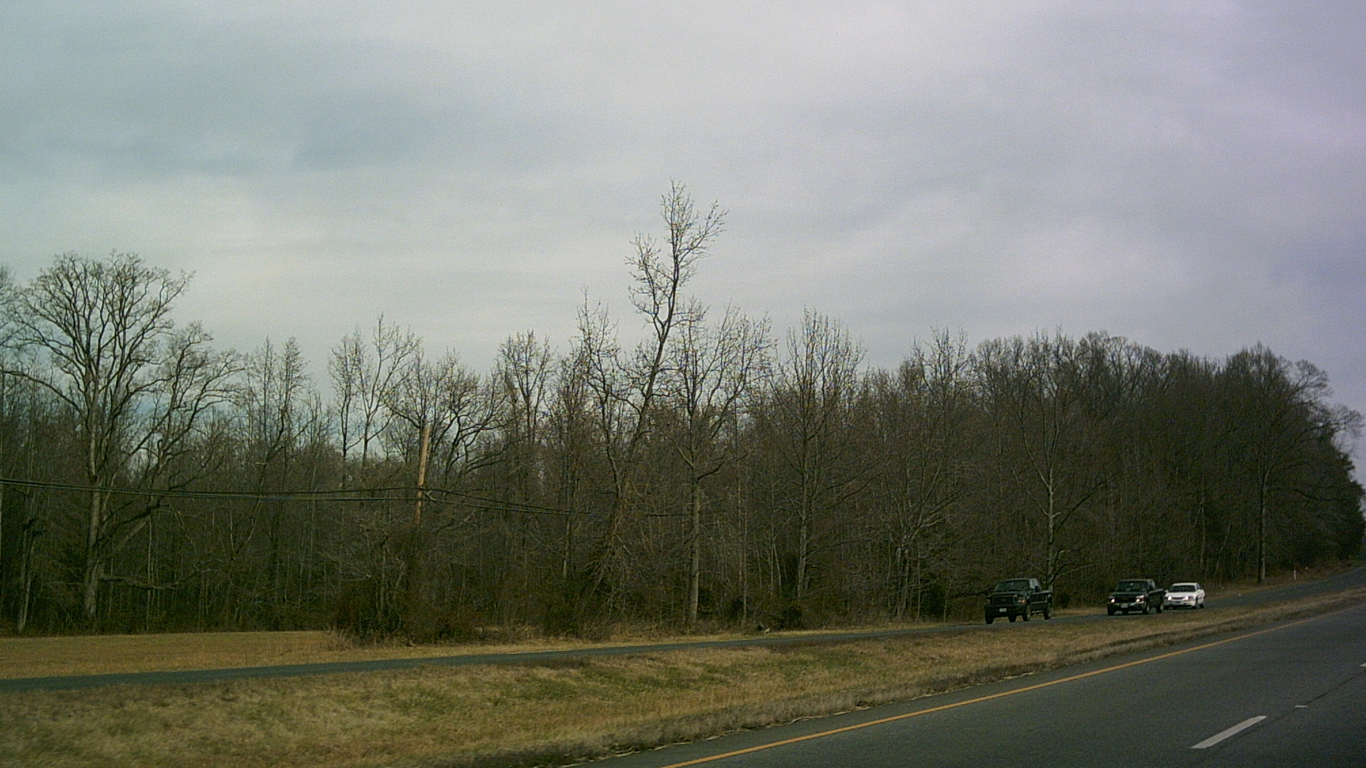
1187 175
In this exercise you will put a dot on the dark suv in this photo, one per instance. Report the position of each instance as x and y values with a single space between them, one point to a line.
1136 595
1018 597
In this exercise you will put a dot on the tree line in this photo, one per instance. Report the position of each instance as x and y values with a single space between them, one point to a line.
709 473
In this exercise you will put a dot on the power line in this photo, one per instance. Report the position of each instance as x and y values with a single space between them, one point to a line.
342 495
350 495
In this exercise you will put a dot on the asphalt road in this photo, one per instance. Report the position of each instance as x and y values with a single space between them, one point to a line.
1282 697
1353 578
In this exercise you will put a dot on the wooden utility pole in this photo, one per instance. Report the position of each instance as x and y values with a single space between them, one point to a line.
422 474
413 572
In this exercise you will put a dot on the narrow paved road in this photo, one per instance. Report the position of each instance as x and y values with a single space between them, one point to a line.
1353 578
1282 697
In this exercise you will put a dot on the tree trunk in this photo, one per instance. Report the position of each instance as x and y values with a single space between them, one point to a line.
1261 528
28 539
94 560
695 566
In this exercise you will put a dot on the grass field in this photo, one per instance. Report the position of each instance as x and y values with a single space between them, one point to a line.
528 714
103 654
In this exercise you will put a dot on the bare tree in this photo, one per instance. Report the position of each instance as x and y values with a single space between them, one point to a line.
106 346
626 391
711 373
522 380
520 392
1035 392
446 397
924 430
659 280
809 410
1280 419
364 374
280 409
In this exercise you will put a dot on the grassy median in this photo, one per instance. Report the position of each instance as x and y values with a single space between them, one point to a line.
543 714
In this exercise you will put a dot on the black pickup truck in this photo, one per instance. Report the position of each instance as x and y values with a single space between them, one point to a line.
1018 597
1141 595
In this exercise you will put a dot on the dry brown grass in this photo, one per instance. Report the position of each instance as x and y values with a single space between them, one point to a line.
524 714
108 654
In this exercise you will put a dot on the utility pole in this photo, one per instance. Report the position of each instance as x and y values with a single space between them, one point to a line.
413 571
422 474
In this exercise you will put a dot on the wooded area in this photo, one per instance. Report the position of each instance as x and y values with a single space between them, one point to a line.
709 473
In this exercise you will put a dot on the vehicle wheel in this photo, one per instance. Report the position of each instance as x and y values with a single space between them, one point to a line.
1159 607
1109 611
1047 612
1146 610
1012 618
990 619
1025 615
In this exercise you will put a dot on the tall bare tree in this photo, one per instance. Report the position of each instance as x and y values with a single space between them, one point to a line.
1035 390
626 391
280 409
105 345
924 430
809 409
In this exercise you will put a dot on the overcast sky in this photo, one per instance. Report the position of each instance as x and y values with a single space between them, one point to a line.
1183 174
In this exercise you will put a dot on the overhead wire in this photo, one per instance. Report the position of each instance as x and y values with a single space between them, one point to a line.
348 495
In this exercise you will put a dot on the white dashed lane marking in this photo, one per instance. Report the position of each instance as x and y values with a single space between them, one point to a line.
1229 733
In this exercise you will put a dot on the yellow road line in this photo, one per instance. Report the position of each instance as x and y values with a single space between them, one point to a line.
978 700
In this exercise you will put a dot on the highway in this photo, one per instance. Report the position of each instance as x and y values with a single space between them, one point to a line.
1353 578
1278 697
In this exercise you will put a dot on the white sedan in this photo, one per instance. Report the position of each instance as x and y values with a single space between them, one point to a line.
1184 594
